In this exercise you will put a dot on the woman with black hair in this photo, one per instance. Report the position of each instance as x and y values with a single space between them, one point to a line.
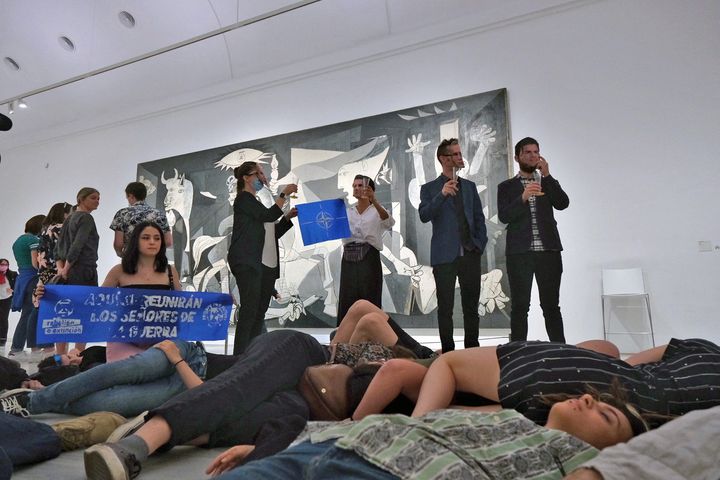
140 382
361 271
25 251
47 267
49 235
450 444
144 265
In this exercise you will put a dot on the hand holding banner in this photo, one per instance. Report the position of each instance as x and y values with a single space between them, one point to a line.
73 313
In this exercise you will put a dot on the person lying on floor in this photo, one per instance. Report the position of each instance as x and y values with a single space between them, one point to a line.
684 449
665 381
24 441
126 387
452 444
146 380
218 412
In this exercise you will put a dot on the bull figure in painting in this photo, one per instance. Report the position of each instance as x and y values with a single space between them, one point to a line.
179 201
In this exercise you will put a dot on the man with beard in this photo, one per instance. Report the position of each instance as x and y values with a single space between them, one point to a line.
525 204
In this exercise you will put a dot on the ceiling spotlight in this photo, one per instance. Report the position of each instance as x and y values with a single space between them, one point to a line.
11 107
66 43
12 64
126 19
21 103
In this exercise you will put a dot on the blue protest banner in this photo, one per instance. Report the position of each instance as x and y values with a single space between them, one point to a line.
322 221
73 313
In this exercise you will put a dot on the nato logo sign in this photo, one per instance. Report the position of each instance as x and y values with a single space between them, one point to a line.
322 221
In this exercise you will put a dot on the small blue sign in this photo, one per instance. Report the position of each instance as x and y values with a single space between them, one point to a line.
73 313
322 221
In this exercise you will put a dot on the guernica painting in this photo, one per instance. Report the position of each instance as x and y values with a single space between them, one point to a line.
397 150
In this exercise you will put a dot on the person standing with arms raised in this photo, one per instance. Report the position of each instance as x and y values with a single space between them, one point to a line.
361 276
526 203
459 235
253 255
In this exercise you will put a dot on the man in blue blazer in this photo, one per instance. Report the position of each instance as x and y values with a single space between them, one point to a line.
526 203
459 236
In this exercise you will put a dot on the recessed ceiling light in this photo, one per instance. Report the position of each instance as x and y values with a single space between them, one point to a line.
126 19
66 43
12 64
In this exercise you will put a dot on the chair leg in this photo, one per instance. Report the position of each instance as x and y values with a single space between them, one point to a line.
652 331
605 335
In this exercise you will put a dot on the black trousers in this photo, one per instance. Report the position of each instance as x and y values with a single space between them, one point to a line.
255 288
4 313
466 269
360 281
80 274
547 269
235 402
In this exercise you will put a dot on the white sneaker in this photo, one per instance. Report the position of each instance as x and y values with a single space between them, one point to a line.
127 428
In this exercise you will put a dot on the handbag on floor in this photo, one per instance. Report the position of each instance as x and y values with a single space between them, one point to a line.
324 388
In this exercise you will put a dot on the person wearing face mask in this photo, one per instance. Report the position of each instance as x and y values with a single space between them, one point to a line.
253 255
76 252
526 203
7 283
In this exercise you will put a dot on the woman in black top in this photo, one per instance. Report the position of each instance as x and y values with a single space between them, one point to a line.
253 255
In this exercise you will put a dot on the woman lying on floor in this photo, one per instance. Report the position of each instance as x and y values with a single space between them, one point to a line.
664 382
146 380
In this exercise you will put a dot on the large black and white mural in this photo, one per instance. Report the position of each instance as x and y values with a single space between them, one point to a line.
397 150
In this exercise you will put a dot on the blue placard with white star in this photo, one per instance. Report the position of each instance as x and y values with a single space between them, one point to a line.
322 221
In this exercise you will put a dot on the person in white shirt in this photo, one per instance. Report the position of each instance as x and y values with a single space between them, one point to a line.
361 271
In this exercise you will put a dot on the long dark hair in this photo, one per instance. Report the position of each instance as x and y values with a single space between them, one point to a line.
57 214
617 397
132 250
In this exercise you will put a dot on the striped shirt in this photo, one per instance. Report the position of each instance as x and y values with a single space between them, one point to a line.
687 378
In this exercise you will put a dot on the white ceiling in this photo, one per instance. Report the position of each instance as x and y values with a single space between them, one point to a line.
321 35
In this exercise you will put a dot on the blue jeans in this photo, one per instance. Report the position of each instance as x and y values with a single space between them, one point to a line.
310 461
32 331
128 387
21 331
24 441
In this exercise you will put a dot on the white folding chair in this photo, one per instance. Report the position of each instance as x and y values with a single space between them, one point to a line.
620 283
